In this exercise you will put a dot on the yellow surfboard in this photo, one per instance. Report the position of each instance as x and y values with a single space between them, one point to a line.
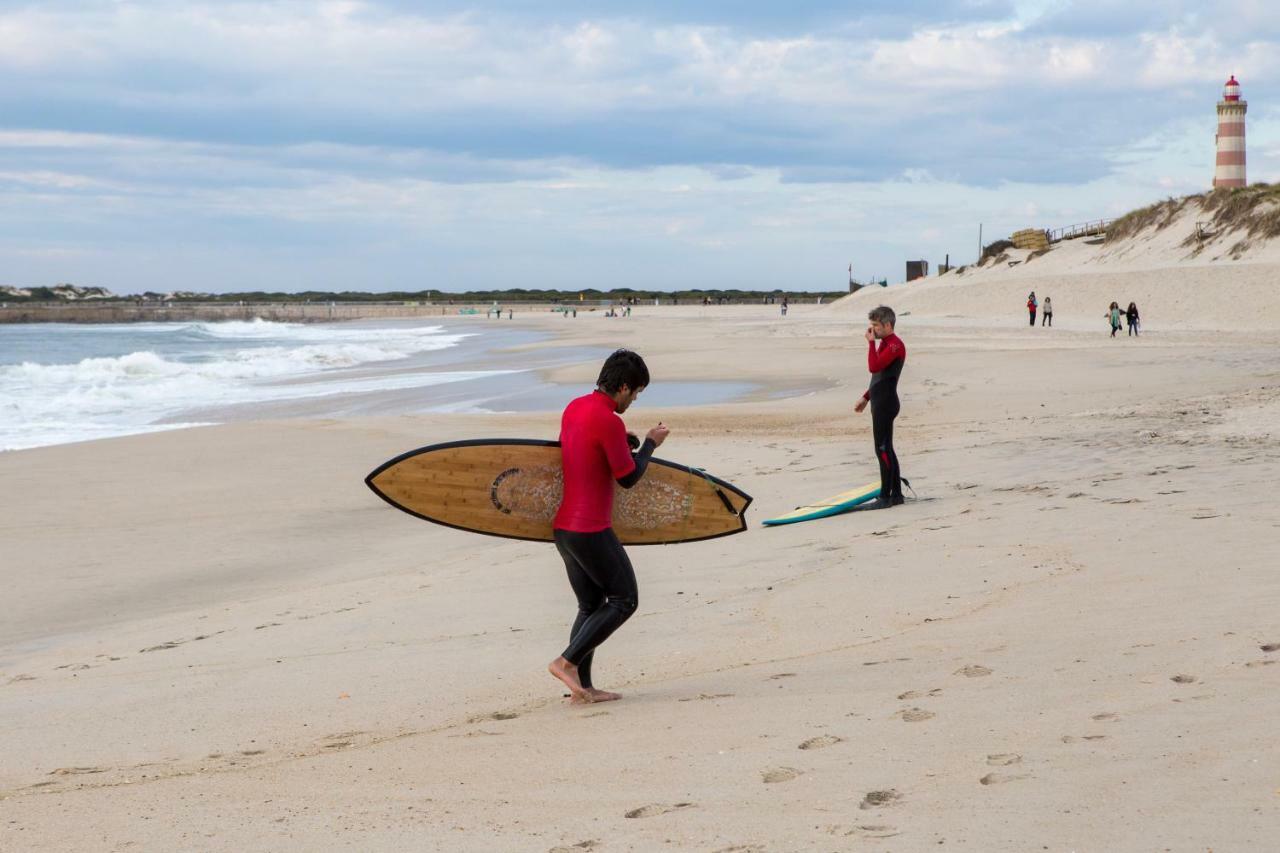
833 505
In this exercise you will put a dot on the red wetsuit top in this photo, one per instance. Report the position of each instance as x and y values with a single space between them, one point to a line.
594 453
885 365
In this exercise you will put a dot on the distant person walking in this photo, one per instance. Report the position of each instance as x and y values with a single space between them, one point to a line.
1113 314
1031 306
1048 313
1131 314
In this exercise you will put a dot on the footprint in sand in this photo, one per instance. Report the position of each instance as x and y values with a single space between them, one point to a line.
1001 778
973 670
341 740
779 774
701 697
1106 716
574 848
915 715
782 675
916 694
173 644
1269 647
1256 663
868 830
1183 679
77 771
656 809
496 715
820 742
1004 759
742 848
877 799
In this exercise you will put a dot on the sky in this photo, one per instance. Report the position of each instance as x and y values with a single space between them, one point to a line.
396 145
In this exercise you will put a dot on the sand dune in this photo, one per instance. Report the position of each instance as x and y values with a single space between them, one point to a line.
1177 281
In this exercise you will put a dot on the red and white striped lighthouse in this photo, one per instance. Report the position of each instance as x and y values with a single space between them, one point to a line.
1229 169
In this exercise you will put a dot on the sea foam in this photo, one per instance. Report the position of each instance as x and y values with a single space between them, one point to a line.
206 365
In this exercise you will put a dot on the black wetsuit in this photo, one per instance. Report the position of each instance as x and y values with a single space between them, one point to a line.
602 580
886 365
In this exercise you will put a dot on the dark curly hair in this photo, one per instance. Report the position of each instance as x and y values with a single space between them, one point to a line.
624 367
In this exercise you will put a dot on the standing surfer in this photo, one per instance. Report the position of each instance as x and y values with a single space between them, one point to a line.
885 364
595 454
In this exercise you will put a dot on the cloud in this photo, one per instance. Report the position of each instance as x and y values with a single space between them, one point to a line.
564 128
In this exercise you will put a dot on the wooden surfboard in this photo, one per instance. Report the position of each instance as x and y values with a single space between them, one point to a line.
512 488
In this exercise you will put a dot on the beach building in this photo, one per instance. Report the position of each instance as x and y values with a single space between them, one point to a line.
1229 168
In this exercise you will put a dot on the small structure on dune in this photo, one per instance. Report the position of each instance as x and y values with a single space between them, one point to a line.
917 269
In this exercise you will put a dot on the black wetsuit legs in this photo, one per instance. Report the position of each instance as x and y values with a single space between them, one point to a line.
882 414
605 585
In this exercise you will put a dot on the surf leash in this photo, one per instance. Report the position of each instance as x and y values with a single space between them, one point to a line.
724 499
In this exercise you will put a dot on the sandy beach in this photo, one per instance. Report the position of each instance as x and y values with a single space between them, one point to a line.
218 639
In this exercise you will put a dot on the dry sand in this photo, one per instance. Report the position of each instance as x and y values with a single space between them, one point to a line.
218 639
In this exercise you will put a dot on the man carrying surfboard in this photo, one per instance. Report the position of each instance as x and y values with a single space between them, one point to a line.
885 363
595 454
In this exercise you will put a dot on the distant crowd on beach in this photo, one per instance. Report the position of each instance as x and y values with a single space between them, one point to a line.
1115 314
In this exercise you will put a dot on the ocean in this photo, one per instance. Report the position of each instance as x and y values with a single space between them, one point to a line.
63 383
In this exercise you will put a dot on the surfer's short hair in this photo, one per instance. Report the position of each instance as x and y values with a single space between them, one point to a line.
883 314
624 367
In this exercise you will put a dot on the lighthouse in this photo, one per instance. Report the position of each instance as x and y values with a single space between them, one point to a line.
1229 169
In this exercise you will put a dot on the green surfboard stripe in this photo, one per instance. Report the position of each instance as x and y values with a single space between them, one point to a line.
834 505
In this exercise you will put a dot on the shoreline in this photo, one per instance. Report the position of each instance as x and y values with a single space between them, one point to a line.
91 312
497 367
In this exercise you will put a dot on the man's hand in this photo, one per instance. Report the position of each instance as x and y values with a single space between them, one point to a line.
862 404
658 435
870 336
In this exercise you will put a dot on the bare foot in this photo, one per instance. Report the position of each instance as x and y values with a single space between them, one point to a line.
568 674
593 696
